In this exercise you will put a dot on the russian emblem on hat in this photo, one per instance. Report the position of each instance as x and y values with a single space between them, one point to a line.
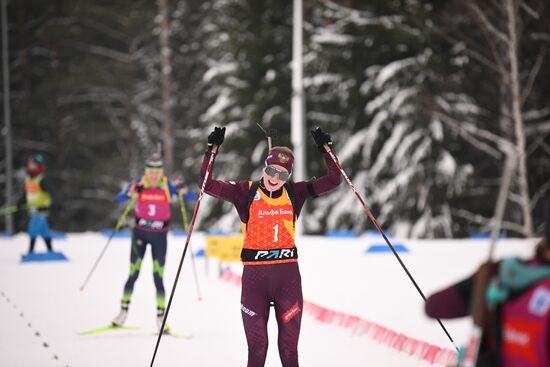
283 158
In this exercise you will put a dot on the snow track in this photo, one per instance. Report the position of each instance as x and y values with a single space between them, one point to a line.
336 274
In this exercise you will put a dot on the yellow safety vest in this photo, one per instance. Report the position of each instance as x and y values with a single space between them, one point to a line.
36 197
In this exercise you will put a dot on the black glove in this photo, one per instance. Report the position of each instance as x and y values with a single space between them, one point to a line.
179 184
216 136
139 188
321 138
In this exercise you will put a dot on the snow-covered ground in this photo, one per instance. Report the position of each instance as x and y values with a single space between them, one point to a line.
42 309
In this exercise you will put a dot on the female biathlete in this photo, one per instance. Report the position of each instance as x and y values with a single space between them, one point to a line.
268 210
152 193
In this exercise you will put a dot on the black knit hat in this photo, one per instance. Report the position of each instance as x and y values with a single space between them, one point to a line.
154 161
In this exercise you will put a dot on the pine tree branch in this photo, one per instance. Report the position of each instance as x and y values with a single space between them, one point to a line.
94 95
540 128
102 51
106 30
487 24
539 194
533 76
486 223
532 12
468 51
471 134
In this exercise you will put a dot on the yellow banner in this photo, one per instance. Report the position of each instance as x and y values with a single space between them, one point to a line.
225 248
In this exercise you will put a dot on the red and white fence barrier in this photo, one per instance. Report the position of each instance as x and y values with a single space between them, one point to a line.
381 334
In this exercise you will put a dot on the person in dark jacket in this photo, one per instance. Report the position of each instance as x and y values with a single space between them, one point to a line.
510 303
268 210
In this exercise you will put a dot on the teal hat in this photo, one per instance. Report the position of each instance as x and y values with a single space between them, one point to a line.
38 159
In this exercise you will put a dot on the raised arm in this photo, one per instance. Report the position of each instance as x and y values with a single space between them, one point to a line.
127 192
224 190
322 185
329 181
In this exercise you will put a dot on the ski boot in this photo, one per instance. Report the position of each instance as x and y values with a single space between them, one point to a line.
119 320
49 244
31 246
160 317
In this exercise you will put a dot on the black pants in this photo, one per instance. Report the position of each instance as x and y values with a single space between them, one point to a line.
140 239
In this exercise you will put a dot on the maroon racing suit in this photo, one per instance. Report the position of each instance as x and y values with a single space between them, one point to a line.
266 283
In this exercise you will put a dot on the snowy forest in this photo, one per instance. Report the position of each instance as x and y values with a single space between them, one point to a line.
424 101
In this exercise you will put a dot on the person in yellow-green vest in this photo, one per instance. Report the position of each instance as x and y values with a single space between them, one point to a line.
37 200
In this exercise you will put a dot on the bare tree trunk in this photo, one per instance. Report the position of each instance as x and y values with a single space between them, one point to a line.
503 41
507 175
166 87
512 12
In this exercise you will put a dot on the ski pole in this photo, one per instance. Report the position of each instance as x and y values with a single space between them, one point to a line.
186 228
191 226
474 343
270 134
117 227
373 219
